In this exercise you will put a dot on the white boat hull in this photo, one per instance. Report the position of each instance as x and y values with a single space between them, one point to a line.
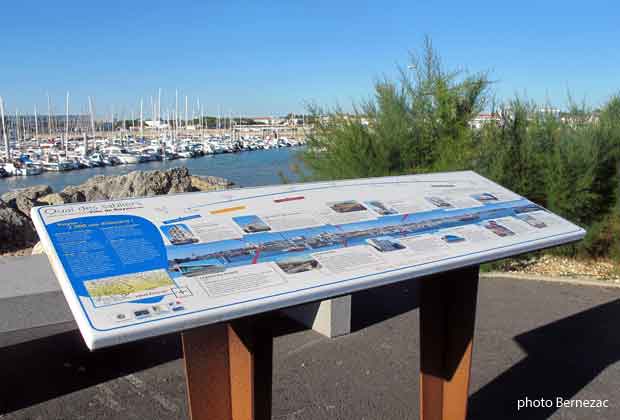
128 159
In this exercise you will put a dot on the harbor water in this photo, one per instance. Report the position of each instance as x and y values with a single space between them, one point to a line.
246 169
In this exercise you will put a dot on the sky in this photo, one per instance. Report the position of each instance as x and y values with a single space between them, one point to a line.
274 57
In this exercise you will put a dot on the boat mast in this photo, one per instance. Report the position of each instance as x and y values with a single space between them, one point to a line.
7 147
91 111
36 127
186 115
158 108
49 116
163 157
67 124
176 114
202 120
112 128
152 112
141 119
169 123
17 127
124 116
196 110
24 121
92 116
202 133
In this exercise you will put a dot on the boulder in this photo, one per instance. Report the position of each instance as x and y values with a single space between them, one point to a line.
16 230
53 199
24 204
24 199
74 194
32 193
210 183
133 184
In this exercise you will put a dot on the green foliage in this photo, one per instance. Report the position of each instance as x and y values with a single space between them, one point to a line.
581 176
603 238
514 151
417 123
420 122
570 165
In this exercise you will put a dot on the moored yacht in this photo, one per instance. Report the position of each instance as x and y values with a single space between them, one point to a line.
18 168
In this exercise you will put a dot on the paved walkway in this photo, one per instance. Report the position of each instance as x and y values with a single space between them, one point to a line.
533 339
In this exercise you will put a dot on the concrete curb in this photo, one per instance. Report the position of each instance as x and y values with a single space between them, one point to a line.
580 281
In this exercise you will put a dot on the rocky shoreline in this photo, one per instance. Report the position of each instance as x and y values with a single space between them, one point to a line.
17 233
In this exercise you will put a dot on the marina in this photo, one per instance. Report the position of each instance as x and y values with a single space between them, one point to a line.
261 167
34 145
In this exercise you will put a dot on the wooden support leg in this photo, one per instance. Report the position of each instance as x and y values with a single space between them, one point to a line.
447 316
228 368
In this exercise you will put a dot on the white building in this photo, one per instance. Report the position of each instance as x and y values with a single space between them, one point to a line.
156 124
268 120
482 119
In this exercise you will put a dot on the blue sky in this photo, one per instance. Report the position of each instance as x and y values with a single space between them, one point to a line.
266 58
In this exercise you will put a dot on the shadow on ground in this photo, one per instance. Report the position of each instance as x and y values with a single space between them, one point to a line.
38 370
562 358
45 368
372 306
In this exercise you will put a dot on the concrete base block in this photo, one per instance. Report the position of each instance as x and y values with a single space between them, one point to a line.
31 303
331 317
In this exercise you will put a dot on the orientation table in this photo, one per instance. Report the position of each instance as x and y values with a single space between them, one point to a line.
208 264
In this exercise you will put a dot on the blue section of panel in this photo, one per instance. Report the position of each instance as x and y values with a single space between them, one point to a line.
155 299
181 219
103 246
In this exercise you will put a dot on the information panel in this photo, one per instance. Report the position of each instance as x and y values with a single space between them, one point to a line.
142 267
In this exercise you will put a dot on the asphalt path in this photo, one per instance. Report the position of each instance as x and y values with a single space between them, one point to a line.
533 340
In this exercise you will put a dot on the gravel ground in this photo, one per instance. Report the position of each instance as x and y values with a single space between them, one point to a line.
533 339
549 265
18 253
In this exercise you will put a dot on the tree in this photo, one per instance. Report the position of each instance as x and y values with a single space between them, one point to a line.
514 151
568 162
417 123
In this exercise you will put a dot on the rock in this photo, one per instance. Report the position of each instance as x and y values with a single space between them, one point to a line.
16 230
53 199
32 193
133 184
73 194
24 204
210 183
24 199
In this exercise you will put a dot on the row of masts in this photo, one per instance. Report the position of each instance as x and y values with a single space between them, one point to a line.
23 126
85 121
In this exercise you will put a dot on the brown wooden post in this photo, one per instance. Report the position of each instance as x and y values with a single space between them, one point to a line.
447 318
228 368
